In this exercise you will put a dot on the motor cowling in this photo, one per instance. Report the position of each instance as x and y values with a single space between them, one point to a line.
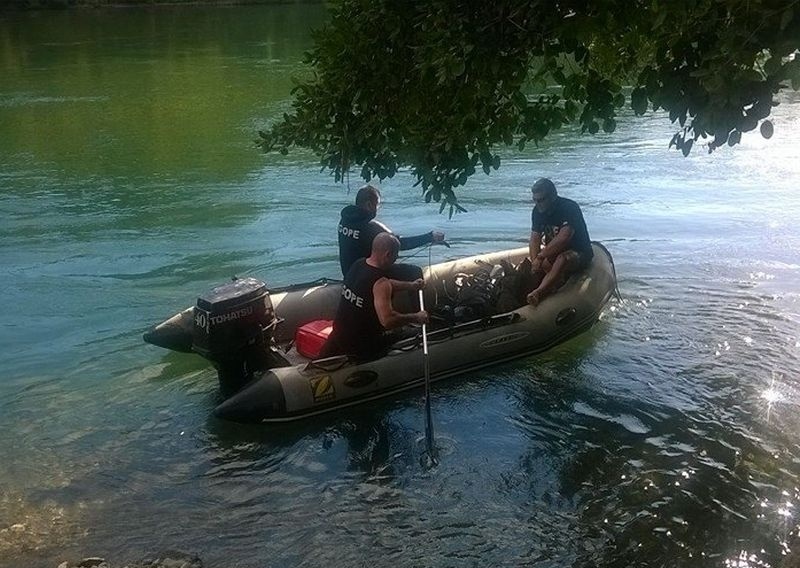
233 326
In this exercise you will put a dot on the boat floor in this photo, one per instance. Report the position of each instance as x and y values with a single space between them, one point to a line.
293 357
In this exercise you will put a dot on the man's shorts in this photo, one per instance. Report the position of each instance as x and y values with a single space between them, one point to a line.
575 260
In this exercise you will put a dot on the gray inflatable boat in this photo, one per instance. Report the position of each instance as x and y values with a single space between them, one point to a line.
258 339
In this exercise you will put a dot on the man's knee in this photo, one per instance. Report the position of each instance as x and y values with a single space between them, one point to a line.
571 261
566 260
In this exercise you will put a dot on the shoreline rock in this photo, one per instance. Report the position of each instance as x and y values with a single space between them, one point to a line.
166 559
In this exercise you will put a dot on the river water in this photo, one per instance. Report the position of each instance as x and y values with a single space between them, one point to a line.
665 436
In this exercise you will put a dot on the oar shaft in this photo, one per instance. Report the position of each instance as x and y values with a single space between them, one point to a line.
428 417
424 331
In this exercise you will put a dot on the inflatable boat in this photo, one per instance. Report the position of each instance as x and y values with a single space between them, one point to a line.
264 342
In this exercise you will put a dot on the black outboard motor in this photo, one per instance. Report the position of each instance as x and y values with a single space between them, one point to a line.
233 326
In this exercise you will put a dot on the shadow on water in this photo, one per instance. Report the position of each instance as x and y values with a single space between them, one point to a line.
368 441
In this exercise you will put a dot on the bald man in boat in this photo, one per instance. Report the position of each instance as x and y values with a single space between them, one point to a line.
366 314
358 227
558 224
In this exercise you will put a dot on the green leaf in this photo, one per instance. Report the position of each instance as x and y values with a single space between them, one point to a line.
752 75
702 72
773 65
748 123
786 18
720 138
639 100
570 108
675 141
609 125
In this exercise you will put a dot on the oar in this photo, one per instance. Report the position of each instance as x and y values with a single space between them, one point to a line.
428 419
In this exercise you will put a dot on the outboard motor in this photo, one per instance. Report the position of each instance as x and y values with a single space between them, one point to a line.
233 326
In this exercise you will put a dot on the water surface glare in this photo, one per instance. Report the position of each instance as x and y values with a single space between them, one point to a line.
665 436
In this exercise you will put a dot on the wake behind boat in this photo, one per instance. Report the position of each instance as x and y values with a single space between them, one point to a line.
264 343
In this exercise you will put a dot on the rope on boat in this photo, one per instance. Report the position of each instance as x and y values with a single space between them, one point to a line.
324 281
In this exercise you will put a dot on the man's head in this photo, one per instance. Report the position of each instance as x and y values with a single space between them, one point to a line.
385 248
544 194
368 198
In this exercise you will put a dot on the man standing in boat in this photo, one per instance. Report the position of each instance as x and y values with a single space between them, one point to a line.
358 227
557 223
366 314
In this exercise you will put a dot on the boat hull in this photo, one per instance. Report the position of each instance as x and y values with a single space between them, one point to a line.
313 387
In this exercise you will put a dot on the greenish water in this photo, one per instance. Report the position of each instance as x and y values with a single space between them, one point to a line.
666 436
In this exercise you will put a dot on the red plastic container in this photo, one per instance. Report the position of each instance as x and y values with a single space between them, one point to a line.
310 337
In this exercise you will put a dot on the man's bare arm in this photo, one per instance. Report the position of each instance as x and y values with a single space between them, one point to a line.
389 318
534 245
559 244
403 285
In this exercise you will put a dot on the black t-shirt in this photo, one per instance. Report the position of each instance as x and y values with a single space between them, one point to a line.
357 229
356 328
564 212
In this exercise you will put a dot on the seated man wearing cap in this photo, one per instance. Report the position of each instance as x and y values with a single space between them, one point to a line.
366 315
556 222
358 227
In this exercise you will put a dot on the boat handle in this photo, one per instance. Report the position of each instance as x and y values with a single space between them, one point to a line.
329 363
565 315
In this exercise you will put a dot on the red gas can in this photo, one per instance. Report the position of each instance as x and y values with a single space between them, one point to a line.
310 337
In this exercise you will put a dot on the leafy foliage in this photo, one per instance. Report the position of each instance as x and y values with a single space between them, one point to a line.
440 85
